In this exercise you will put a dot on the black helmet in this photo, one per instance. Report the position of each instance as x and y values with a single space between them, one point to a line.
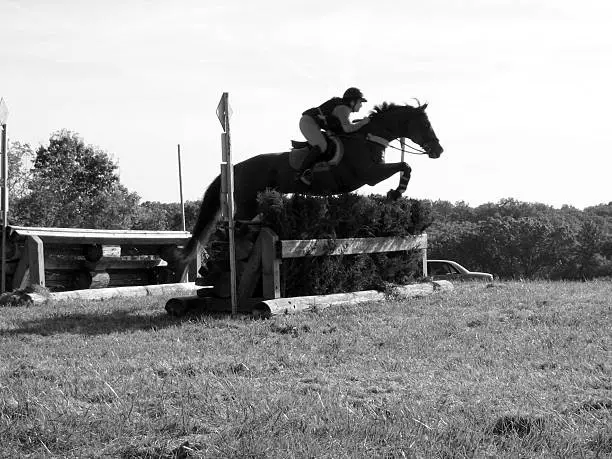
353 94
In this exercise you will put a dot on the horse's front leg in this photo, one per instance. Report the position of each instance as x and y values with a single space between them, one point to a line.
382 171
404 170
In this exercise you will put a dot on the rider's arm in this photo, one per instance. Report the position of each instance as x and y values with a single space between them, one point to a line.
342 112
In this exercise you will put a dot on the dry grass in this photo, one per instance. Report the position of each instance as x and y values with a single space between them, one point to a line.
510 370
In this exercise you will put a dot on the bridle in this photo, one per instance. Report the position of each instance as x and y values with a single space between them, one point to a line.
402 148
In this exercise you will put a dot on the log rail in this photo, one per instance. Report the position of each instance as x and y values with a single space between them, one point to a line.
73 258
283 249
263 262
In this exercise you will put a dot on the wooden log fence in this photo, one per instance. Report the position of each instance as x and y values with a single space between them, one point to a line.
277 250
62 259
264 262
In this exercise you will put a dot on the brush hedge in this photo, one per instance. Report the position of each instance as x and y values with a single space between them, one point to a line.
344 216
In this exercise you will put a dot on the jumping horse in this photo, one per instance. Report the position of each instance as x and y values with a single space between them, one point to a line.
361 163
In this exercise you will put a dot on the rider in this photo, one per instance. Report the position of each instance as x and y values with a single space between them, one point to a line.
331 115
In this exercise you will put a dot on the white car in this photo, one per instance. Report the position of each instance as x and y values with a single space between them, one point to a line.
451 270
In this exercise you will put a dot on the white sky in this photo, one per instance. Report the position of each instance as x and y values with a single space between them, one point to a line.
519 91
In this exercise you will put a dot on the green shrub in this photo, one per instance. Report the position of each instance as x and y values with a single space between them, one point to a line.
344 216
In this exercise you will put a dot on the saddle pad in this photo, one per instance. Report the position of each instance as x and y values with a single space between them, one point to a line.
298 155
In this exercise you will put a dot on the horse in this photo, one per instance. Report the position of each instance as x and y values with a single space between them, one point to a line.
361 163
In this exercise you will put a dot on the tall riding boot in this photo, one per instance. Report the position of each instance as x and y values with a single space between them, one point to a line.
305 173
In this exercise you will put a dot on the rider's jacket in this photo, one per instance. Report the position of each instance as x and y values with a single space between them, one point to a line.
323 114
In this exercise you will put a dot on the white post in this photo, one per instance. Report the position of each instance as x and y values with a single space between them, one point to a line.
4 186
227 192
180 171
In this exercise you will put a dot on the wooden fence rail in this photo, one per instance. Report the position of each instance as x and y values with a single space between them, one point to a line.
277 250
264 262
69 258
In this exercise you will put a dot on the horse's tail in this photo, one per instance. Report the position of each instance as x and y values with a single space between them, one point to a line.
207 220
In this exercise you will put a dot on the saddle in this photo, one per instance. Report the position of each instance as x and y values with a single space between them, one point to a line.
331 157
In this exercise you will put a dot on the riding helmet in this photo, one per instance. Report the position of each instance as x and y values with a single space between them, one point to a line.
353 94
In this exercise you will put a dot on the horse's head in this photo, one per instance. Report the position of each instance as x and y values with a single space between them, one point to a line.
394 121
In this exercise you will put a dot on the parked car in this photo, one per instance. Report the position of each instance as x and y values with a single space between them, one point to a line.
453 271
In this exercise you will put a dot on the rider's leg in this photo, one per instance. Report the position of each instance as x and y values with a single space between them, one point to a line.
312 132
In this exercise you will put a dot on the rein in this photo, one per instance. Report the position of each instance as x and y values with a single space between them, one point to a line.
385 143
415 151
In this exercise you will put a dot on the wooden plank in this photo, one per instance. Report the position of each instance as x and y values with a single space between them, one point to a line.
250 275
58 281
61 263
92 279
95 252
129 278
21 278
95 236
270 264
316 247
36 260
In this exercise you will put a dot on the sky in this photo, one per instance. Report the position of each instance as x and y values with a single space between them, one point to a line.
519 91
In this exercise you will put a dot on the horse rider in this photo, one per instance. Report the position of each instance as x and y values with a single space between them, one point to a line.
332 115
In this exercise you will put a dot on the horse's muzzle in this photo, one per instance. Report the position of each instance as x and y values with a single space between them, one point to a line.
434 151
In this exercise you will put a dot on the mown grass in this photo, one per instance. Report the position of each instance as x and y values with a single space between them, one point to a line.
508 370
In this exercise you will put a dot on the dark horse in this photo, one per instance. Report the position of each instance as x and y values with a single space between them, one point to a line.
361 164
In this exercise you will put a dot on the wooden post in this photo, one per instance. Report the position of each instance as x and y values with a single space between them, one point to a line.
227 192
5 190
180 171
424 253
270 264
250 275
36 260
21 277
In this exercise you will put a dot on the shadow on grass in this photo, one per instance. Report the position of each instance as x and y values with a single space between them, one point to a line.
95 323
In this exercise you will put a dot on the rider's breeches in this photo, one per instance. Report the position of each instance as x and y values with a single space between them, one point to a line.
312 132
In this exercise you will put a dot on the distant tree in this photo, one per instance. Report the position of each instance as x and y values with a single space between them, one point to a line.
444 211
152 216
528 240
602 210
158 216
588 256
20 158
74 185
509 207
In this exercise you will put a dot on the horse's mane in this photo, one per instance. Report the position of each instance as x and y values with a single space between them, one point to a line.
386 107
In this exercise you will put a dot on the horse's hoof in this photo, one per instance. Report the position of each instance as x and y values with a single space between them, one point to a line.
393 195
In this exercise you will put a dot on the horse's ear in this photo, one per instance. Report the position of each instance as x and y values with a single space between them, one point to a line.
423 107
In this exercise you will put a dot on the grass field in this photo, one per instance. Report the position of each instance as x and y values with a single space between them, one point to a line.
506 370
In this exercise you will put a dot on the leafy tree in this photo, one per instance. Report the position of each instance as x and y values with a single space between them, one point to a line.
158 216
74 185
589 261
20 157
444 211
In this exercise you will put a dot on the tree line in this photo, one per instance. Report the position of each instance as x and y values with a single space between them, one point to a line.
519 240
70 184
73 185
